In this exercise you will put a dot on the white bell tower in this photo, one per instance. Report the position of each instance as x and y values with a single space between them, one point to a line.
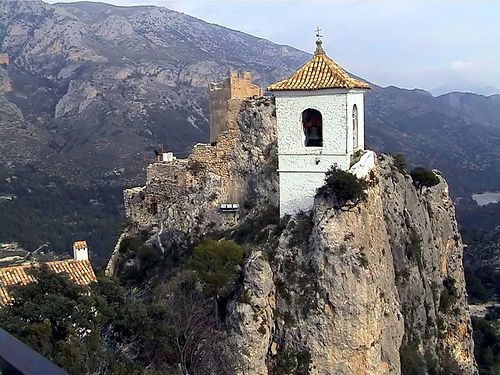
320 119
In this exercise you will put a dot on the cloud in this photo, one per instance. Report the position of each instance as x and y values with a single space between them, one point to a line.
461 65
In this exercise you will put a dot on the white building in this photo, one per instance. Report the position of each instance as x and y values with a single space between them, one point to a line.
80 250
320 119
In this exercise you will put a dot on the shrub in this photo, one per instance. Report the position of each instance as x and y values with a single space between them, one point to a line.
301 229
399 163
486 345
363 260
216 263
292 362
423 177
342 188
449 295
253 229
195 166
411 359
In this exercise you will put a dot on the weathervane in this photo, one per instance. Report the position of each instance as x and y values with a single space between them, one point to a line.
319 42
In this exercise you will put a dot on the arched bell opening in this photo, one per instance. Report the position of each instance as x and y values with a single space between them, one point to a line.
312 124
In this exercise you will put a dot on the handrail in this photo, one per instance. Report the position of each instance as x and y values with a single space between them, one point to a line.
17 358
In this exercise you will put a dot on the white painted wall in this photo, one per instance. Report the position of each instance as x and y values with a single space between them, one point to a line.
80 254
302 169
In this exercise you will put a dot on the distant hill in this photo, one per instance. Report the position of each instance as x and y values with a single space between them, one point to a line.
95 88
465 87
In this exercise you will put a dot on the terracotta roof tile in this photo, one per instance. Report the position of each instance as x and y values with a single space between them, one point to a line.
78 271
320 72
79 245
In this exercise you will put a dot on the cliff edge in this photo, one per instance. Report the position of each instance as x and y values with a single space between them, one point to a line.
375 287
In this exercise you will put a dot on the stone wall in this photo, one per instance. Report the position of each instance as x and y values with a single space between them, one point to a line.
234 87
210 173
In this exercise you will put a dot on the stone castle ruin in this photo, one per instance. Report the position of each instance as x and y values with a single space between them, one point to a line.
212 176
220 95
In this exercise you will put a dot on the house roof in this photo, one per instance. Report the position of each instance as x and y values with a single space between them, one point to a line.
320 72
78 271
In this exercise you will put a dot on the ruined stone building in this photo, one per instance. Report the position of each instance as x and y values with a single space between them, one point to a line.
233 87
319 123
208 171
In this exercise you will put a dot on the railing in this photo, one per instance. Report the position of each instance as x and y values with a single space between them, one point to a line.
18 359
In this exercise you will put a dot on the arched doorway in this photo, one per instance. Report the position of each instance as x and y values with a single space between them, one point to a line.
355 139
312 125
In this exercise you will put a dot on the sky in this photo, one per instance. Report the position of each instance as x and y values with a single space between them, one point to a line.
411 44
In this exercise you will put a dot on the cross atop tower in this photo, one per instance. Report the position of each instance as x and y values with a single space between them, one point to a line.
318 33
319 43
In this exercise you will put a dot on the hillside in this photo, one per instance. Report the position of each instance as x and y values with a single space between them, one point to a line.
95 88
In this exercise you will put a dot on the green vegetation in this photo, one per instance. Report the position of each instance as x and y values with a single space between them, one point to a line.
301 229
411 359
216 263
253 229
414 248
363 260
487 345
414 363
342 188
48 210
449 295
171 326
483 283
292 362
59 320
423 177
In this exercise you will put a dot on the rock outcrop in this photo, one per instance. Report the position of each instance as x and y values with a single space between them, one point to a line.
377 288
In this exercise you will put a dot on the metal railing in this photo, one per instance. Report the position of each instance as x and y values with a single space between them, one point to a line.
18 359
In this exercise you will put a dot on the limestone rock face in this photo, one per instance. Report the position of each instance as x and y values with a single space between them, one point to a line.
252 317
376 289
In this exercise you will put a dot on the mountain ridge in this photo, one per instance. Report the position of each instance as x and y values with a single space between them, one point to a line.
90 102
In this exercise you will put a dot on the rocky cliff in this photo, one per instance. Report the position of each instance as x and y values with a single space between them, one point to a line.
377 288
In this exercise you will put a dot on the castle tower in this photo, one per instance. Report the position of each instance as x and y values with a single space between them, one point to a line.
320 120
233 87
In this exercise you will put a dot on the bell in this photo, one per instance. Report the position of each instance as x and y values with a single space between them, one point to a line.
314 137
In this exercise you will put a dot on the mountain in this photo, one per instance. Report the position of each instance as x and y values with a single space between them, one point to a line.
465 87
457 133
107 84
93 89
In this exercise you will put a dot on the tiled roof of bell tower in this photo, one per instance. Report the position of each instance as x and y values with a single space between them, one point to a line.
320 72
